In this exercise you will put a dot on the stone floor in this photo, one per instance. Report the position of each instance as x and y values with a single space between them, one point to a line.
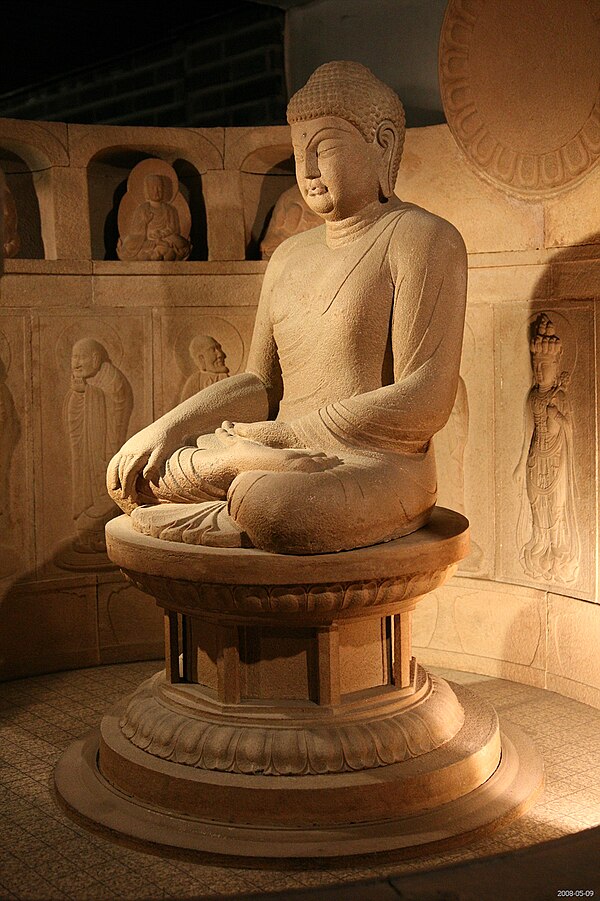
46 855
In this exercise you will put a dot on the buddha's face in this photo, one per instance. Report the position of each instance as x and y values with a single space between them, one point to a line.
85 360
336 168
210 358
153 188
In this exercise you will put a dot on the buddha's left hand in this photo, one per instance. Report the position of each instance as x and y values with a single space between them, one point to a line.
271 434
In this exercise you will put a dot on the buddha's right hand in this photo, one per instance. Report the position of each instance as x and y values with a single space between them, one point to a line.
143 454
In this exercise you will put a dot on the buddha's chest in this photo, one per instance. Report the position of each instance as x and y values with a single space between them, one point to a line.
339 304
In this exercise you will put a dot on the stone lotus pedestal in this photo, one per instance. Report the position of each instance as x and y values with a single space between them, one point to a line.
291 719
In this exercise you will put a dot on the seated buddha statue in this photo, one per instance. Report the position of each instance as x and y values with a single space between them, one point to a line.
324 443
154 230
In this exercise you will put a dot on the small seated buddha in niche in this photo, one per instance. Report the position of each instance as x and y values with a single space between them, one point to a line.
324 443
96 413
154 231
209 358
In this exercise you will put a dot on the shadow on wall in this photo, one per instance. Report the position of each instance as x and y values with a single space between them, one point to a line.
261 193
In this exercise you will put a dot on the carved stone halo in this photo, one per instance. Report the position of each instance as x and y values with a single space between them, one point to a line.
520 86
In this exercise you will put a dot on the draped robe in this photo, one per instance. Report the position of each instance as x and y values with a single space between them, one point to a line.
358 335
96 413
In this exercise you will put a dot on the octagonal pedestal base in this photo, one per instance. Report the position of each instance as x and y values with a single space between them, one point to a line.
292 720
397 807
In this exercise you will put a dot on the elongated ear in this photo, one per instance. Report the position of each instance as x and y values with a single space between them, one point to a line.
387 139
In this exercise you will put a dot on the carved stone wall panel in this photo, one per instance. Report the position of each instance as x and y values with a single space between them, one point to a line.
179 355
189 288
434 175
130 625
573 641
576 278
46 627
16 469
520 88
464 449
546 451
505 279
26 287
92 389
497 629
572 218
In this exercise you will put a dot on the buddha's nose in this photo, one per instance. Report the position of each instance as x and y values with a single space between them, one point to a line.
311 166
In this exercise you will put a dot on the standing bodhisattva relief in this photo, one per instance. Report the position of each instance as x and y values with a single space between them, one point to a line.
324 443
208 358
547 533
154 218
96 413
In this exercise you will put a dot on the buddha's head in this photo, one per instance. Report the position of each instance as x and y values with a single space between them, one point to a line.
155 188
207 354
348 133
87 357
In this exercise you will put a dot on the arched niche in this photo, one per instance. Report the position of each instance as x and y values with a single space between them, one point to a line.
266 173
107 175
22 182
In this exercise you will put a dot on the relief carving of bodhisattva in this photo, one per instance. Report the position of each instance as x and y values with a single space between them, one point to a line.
96 414
547 533
154 218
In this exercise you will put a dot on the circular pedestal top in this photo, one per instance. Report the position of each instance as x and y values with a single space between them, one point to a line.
440 544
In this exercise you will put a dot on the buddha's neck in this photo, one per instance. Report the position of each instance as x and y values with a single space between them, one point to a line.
344 231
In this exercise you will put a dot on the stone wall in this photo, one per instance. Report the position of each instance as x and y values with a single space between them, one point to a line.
527 256
66 284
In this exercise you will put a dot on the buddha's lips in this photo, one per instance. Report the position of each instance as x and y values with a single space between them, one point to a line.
316 190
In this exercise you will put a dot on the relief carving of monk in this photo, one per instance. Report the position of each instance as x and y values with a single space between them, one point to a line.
209 358
96 413
326 443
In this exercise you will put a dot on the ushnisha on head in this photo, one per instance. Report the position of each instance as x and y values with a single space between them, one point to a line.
347 97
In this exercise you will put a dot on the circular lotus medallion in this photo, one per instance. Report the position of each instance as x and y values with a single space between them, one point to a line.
520 85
